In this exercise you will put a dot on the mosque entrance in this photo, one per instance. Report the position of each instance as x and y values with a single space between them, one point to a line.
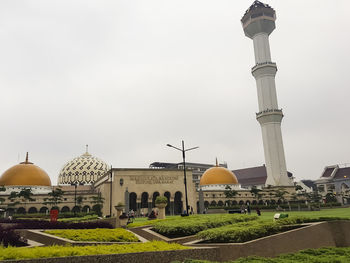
178 203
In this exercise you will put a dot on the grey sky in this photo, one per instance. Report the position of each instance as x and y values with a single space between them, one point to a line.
128 77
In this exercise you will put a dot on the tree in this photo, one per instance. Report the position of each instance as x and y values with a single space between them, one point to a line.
98 200
55 198
280 194
256 192
2 189
229 192
330 198
26 195
13 197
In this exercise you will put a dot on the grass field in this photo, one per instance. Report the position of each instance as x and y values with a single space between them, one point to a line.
268 215
333 212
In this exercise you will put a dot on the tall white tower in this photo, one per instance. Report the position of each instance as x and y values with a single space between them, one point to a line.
258 22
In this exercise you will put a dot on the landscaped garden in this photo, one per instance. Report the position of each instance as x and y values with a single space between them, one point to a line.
98 235
322 255
66 251
210 228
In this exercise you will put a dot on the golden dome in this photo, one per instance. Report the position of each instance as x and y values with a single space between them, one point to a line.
25 174
218 175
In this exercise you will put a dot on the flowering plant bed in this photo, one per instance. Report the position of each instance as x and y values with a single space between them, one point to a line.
66 251
98 235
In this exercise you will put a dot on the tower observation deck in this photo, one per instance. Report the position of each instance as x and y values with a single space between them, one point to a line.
258 23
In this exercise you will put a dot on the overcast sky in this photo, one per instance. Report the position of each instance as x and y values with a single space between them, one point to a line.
128 77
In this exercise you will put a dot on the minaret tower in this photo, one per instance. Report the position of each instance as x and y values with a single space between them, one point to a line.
258 22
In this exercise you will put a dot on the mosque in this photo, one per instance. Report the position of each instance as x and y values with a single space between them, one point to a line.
86 176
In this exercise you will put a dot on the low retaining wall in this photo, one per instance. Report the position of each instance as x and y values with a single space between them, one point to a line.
144 257
48 240
316 235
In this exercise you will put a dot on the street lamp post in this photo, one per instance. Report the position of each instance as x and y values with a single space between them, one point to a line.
183 150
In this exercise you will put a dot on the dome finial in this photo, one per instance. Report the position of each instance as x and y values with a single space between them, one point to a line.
216 159
27 158
87 148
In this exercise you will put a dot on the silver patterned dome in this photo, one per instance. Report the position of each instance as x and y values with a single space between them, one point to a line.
84 169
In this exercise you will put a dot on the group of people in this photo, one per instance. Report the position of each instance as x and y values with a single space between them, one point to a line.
247 210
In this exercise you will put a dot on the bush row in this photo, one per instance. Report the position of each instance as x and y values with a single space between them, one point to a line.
66 251
44 224
191 225
321 255
246 231
61 215
294 206
98 235
242 232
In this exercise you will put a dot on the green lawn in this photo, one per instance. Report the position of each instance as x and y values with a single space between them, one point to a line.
333 212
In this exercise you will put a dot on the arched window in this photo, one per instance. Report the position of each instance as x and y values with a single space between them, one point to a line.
144 200
213 203
132 201
155 195
44 210
167 208
21 210
178 203
241 202
86 209
32 210
65 209
221 203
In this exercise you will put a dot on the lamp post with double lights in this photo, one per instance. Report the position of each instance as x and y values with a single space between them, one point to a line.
183 150
75 184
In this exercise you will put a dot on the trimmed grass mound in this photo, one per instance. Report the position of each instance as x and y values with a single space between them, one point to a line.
246 231
321 255
67 251
98 235
191 225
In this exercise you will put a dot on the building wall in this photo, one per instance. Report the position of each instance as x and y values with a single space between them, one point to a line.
147 183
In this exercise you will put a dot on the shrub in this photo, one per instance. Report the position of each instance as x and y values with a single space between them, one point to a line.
191 225
66 251
98 235
8 237
244 231
161 200
321 255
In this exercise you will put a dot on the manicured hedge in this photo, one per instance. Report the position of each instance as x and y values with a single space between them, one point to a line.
242 232
44 224
66 251
321 255
191 225
99 235
246 231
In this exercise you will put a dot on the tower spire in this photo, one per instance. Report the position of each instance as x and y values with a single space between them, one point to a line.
258 23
